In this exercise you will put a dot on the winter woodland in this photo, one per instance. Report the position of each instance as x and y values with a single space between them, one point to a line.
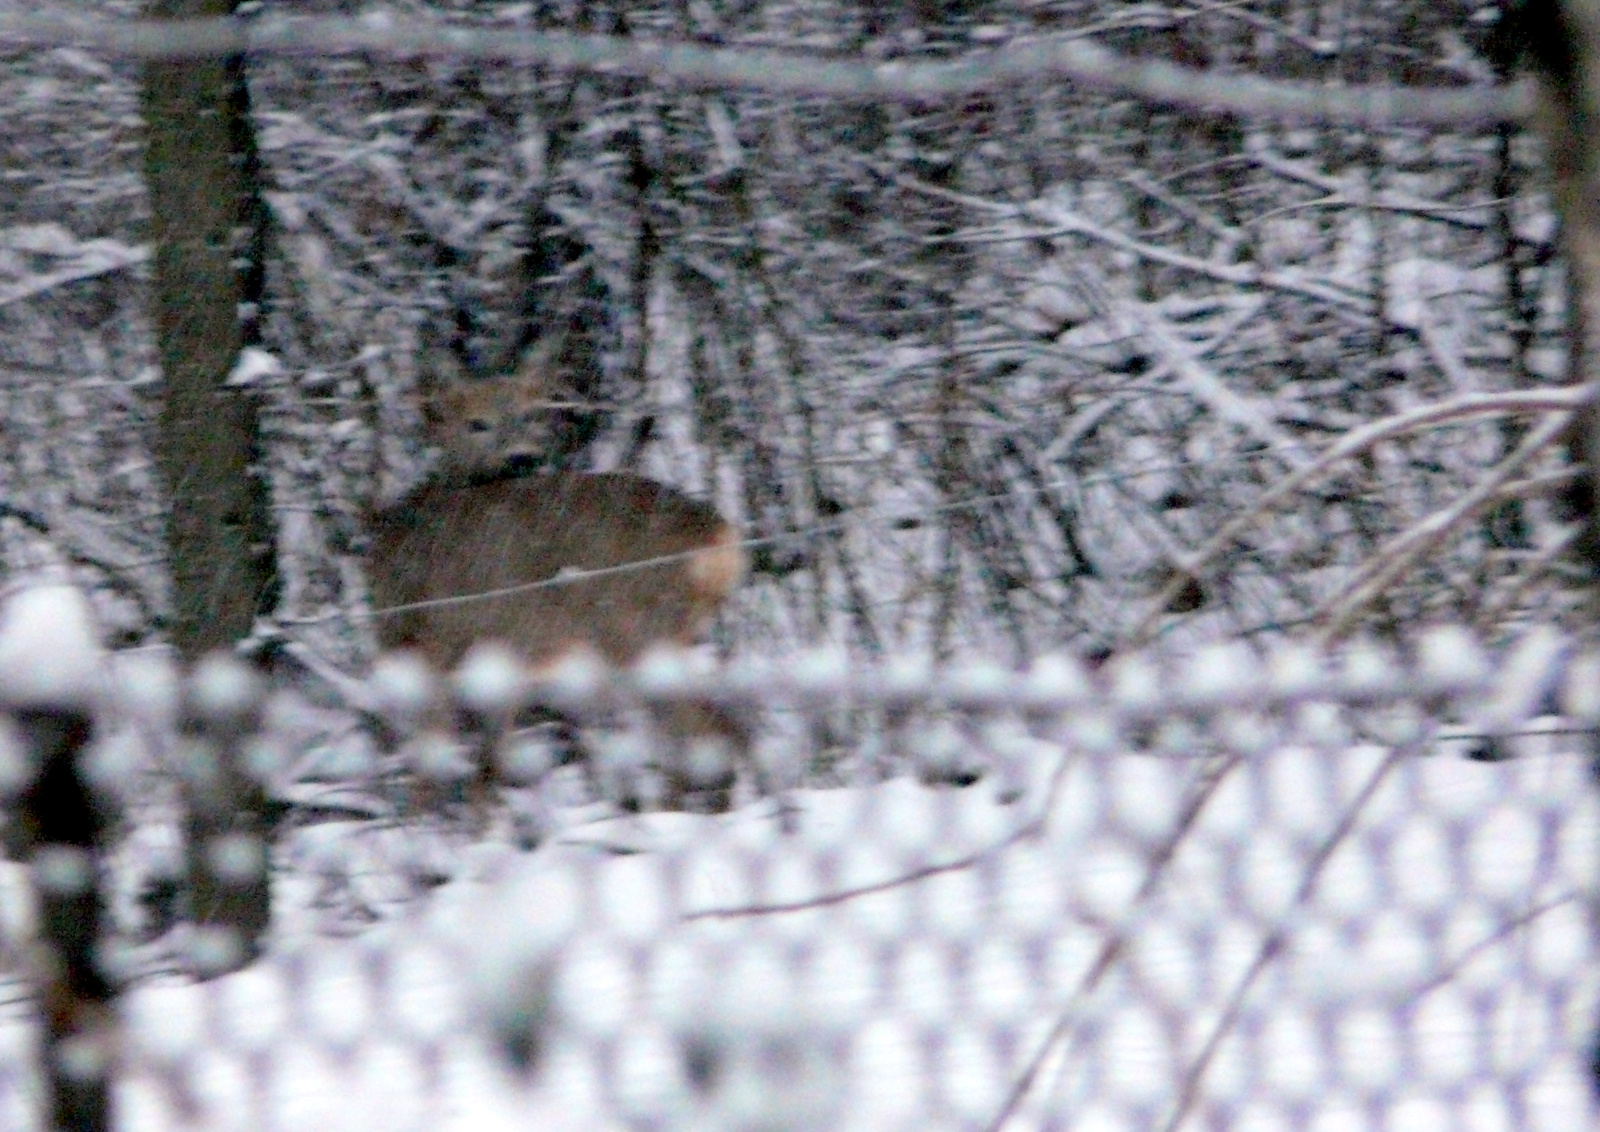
1155 434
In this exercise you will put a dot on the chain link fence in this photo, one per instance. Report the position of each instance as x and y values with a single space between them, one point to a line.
1286 890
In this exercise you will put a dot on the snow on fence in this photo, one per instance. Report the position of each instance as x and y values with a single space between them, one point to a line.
1231 891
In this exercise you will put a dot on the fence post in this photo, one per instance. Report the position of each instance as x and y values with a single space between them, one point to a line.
49 673
226 821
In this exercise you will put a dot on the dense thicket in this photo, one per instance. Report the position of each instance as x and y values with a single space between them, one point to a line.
986 372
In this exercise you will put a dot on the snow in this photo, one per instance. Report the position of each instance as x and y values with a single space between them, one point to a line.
49 653
1309 932
1437 968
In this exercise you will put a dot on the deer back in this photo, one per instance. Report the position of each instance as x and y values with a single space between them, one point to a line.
454 563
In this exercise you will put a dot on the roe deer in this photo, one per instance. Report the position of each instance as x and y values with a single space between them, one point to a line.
462 563
479 554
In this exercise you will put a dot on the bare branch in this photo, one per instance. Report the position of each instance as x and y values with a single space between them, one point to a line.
1061 221
1472 405
1273 943
115 575
1211 391
1403 551
83 261
1348 192
1014 66
1115 945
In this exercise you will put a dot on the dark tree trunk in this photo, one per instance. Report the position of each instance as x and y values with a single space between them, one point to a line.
208 230
203 180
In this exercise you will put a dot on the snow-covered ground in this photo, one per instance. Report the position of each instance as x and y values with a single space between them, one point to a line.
1327 939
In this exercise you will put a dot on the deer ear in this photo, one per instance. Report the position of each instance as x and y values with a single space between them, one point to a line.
437 372
528 388
540 360
438 402
438 367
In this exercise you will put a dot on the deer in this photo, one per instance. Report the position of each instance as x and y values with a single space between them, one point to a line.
550 564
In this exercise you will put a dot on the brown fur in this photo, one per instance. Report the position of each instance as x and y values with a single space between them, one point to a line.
448 551
477 554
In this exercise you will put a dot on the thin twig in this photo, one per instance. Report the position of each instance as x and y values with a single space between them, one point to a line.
1402 552
1033 827
1275 939
1358 441
1112 948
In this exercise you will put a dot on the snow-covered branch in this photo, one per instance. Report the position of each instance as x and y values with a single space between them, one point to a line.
1012 66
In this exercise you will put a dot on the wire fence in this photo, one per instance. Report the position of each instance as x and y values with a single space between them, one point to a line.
1286 889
